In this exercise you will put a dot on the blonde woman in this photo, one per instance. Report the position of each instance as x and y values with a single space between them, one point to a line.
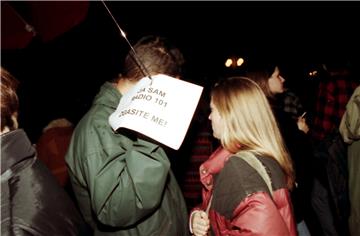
237 199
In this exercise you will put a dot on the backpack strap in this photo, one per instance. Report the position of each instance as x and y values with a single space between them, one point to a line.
254 162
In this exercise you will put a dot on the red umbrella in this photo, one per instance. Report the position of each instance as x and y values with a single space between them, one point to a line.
22 21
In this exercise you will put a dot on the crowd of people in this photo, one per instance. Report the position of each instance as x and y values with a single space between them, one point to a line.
252 163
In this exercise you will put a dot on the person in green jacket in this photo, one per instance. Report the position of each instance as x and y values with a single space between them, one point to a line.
350 132
122 181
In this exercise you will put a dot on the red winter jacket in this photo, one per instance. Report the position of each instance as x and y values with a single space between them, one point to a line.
242 203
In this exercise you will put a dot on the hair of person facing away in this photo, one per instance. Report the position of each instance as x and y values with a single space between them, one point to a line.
157 55
249 123
9 99
261 73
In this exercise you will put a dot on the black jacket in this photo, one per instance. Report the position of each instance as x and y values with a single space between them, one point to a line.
32 202
301 151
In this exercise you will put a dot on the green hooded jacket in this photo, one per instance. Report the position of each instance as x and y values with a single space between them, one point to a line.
123 186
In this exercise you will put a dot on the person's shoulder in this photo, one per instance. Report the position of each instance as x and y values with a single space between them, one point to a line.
44 187
357 92
274 169
92 120
238 170
34 171
236 181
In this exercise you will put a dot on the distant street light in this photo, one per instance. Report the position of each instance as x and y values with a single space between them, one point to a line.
228 62
239 61
234 62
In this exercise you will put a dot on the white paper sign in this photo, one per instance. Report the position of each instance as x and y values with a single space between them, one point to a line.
161 108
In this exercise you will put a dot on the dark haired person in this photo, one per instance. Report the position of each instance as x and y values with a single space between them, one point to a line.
269 77
32 201
123 183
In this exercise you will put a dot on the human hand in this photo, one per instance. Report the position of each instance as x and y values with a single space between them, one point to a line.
301 123
200 223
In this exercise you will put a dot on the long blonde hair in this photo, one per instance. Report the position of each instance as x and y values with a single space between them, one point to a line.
249 123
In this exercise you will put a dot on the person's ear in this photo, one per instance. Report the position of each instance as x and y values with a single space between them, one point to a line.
15 120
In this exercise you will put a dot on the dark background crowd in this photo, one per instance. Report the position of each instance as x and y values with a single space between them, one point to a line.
70 48
60 76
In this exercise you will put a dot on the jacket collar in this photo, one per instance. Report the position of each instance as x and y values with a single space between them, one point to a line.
108 96
15 147
213 165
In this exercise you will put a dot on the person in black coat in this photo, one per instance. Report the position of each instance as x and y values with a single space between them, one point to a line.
32 201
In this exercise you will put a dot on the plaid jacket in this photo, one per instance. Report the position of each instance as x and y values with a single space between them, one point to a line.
332 98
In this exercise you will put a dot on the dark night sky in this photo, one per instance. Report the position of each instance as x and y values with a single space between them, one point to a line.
69 70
